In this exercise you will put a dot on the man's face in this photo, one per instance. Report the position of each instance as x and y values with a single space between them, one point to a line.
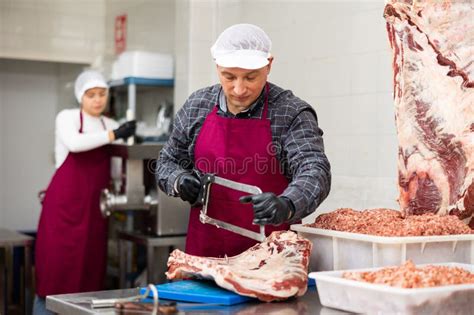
94 101
242 86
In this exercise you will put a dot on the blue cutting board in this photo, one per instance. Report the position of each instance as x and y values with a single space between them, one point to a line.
199 292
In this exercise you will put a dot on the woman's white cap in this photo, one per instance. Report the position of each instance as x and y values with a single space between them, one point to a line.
243 46
87 80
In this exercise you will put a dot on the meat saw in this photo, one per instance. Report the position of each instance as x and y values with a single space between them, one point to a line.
207 180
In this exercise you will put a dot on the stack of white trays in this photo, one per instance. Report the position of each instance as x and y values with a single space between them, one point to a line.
143 64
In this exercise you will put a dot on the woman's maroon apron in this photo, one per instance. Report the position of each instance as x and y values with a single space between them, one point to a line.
72 234
240 150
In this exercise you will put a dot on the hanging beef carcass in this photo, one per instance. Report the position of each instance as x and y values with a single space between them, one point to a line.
273 270
433 63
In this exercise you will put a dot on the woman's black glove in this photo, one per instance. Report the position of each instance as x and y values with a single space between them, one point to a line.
269 208
188 187
125 130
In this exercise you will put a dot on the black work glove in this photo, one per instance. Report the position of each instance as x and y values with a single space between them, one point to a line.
125 130
188 187
269 208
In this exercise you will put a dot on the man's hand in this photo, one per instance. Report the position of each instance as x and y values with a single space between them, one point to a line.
269 208
188 187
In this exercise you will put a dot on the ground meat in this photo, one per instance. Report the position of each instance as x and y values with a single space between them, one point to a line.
388 222
409 276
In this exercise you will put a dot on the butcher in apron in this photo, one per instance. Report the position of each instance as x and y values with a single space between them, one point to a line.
70 250
248 130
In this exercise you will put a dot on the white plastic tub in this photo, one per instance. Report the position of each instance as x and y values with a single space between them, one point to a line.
362 297
334 250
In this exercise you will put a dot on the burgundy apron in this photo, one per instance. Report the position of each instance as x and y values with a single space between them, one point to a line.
72 234
240 150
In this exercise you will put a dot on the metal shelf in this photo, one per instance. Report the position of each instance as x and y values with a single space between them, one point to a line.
131 84
142 81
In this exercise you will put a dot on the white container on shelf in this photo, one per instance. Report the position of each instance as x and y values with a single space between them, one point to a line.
143 64
335 250
362 297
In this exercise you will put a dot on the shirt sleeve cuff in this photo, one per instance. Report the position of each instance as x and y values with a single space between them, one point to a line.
299 203
172 182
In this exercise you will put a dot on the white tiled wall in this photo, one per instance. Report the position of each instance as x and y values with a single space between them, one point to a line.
52 30
181 52
150 24
336 56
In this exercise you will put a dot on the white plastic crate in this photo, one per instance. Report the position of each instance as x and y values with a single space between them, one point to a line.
335 250
361 297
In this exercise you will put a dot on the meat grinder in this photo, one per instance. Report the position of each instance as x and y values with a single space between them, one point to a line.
136 190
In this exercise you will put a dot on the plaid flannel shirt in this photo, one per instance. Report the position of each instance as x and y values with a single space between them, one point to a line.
296 137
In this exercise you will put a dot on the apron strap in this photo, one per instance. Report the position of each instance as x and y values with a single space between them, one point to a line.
265 106
81 119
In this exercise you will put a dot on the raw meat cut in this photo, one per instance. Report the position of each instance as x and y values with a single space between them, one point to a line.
388 222
433 63
273 270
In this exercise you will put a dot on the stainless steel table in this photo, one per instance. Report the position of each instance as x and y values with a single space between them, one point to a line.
157 251
8 240
79 304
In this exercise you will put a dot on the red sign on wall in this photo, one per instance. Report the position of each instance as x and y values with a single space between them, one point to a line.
120 33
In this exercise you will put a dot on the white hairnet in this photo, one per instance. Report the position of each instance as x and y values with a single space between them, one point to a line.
87 80
242 46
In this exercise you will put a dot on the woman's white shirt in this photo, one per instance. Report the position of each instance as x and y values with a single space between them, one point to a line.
68 139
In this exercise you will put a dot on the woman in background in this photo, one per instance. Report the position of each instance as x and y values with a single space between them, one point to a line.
72 234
